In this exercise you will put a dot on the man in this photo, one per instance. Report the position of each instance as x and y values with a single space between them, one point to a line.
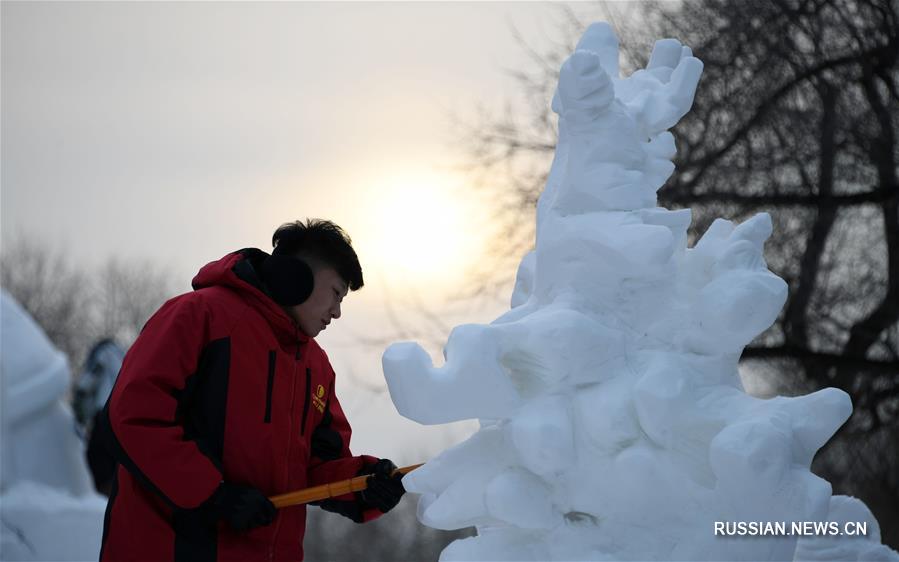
226 399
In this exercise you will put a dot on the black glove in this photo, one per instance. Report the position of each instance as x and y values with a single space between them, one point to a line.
243 507
384 491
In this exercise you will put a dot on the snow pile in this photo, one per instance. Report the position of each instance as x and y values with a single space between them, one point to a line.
613 421
48 506
41 522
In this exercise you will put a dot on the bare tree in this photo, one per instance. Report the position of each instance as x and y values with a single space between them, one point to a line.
51 290
127 293
797 114
76 306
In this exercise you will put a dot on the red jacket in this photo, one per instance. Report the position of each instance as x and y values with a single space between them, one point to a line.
222 385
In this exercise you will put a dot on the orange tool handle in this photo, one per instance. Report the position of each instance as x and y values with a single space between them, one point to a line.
330 490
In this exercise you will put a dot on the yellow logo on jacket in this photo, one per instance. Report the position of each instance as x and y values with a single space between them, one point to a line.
317 399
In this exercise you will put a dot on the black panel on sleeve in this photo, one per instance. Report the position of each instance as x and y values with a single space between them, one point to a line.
202 403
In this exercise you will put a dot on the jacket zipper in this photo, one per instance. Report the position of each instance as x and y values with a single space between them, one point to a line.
272 355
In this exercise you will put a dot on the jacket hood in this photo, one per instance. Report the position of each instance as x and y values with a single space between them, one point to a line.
239 271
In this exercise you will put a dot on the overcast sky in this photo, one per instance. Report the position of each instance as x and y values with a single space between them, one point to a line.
178 132
181 131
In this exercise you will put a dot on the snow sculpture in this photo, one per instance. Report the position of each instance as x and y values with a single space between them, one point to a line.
48 506
613 421
39 440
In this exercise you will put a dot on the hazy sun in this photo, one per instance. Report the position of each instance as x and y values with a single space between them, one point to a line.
419 226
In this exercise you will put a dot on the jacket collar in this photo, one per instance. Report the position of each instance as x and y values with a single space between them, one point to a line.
240 271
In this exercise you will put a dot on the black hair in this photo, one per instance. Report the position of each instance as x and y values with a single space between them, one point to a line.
320 241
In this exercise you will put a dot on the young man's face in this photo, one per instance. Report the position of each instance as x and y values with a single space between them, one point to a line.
323 304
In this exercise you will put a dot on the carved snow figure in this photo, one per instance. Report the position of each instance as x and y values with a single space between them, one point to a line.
614 424
48 505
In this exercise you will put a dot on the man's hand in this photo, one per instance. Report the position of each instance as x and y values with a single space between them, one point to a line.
384 490
243 507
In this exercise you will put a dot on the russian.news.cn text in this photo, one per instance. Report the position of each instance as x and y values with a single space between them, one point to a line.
790 528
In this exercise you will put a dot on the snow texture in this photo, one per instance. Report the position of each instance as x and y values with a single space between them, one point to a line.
613 422
48 505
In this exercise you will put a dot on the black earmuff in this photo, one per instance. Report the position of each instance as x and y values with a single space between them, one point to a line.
289 279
